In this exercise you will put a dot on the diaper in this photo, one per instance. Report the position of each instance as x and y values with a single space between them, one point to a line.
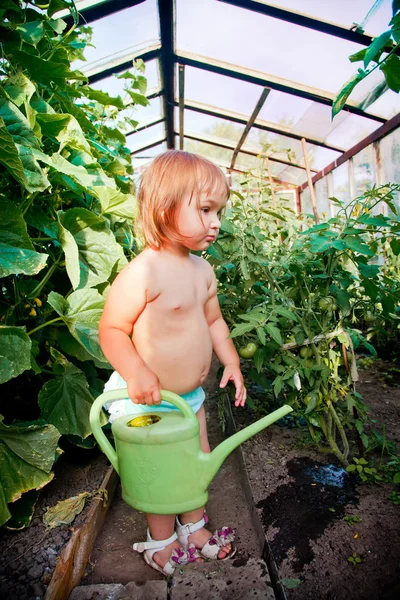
120 408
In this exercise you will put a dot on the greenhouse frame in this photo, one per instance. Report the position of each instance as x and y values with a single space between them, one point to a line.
358 149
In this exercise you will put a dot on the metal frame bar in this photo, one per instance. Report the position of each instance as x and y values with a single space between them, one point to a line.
253 116
167 66
383 131
145 125
213 111
259 78
168 57
181 104
100 10
124 64
151 145
303 20
228 145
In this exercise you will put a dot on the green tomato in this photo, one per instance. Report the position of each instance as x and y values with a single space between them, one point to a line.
369 317
327 303
248 351
305 352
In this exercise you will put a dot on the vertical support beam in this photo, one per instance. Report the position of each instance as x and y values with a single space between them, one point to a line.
167 70
249 124
181 105
378 172
310 183
298 200
352 181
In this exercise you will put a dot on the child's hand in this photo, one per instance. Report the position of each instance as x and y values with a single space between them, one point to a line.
144 387
233 373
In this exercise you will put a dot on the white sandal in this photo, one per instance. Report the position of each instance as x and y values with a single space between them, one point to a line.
179 556
211 549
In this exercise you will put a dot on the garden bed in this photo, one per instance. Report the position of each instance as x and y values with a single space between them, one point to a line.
316 516
28 558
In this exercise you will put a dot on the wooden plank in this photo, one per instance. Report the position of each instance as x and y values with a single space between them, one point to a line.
75 554
246 131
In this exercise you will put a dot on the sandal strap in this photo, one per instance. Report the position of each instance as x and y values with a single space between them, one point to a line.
190 527
151 544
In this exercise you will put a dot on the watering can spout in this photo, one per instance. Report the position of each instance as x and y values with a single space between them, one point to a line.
213 461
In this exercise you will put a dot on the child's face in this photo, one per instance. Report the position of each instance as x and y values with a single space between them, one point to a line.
199 225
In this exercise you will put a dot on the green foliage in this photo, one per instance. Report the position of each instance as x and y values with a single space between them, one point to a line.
65 232
381 54
391 469
351 519
354 559
366 473
395 498
296 290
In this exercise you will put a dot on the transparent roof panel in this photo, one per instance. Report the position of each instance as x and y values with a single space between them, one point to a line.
206 124
202 28
351 130
245 162
140 139
294 175
141 159
219 90
143 114
115 87
284 109
342 12
219 155
320 157
387 106
121 35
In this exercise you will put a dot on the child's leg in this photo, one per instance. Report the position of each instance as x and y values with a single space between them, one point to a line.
161 528
201 537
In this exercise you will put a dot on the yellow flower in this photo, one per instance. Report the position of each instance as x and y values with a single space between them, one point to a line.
38 302
33 312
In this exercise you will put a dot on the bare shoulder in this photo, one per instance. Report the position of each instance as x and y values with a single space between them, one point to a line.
204 267
137 273
140 265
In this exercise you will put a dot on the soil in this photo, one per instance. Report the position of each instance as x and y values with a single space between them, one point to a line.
28 557
303 498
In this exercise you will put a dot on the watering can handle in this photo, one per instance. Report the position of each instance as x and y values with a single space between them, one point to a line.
119 395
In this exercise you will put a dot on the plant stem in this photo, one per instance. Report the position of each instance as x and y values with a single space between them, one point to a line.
29 202
45 279
342 434
44 325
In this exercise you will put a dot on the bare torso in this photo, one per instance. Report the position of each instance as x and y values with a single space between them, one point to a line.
171 334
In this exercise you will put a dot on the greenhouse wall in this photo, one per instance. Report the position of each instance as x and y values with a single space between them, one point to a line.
376 164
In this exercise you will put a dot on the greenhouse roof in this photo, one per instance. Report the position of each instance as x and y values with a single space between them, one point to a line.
227 76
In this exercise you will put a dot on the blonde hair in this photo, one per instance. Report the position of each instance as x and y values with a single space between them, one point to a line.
171 177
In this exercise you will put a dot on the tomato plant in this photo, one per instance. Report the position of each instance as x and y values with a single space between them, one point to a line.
298 291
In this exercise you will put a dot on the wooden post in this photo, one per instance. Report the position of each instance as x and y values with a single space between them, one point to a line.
310 183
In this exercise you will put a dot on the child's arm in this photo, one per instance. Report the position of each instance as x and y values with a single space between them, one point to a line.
125 302
223 345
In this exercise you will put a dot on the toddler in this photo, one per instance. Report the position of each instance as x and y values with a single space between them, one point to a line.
161 323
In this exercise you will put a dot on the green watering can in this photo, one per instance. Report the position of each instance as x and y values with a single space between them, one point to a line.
158 456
